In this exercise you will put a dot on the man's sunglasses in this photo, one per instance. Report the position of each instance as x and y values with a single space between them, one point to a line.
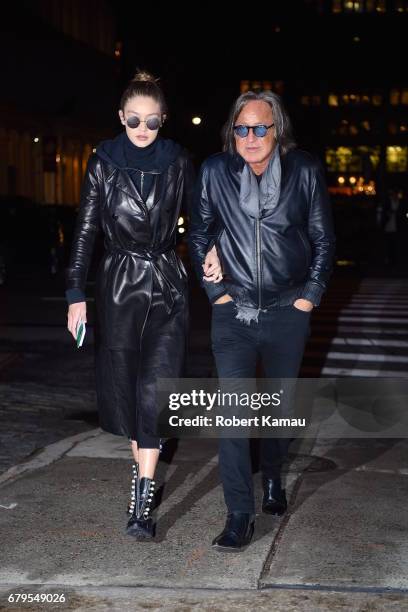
152 124
260 131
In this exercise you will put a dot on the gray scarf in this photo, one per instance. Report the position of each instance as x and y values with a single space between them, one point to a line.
255 199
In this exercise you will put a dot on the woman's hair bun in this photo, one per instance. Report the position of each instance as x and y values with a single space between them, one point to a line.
143 75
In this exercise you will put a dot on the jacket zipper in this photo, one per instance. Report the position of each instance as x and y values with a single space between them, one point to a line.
258 261
141 184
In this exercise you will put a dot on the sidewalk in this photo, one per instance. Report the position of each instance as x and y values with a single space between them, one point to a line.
342 545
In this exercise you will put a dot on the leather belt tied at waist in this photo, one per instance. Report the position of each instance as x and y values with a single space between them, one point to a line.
166 274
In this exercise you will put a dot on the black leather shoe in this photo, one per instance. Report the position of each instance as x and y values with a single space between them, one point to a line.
140 524
274 497
237 533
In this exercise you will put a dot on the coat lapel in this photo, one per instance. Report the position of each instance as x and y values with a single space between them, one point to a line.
122 181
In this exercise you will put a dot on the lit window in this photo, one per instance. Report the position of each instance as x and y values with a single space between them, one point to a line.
353 159
397 159
401 6
377 99
380 8
366 126
244 86
333 100
404 96
395 96
305 100
361 6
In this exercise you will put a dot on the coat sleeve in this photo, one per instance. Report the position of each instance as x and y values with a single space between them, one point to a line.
86 229
322 239
203 233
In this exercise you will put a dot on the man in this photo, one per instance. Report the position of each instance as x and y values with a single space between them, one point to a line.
264 205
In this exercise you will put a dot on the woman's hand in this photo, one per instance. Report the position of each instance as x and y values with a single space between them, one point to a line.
212 267
76 313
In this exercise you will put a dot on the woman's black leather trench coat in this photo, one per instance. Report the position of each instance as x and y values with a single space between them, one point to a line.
141 301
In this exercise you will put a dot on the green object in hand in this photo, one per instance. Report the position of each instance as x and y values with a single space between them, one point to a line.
81 330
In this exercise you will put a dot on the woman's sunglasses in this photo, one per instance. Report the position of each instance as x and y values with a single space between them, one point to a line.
152 124
259 130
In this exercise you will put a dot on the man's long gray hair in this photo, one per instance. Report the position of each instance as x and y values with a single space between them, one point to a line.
283 127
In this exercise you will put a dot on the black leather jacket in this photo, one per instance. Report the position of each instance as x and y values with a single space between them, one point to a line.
285 255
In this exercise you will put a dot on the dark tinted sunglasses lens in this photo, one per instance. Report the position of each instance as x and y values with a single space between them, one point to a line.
241 131
133 122
153 123
260 131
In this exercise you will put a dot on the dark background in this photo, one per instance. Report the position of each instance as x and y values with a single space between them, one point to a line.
65 63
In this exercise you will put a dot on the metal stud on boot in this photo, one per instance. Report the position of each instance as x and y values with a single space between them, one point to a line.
140 524
135 477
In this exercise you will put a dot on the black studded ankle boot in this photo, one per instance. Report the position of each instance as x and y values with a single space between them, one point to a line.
140 524
135 478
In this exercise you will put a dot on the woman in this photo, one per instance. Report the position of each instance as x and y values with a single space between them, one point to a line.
133 190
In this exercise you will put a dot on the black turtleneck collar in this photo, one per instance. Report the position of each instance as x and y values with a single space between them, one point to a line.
142 158
122 153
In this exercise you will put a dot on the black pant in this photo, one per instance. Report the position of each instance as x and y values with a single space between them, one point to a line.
278 339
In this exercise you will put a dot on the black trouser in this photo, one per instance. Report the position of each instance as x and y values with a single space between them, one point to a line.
278 339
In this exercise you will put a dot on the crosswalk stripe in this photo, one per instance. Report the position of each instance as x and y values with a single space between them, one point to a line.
331 371
365 311
348 341
383 357
360 332
345 329
364 319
